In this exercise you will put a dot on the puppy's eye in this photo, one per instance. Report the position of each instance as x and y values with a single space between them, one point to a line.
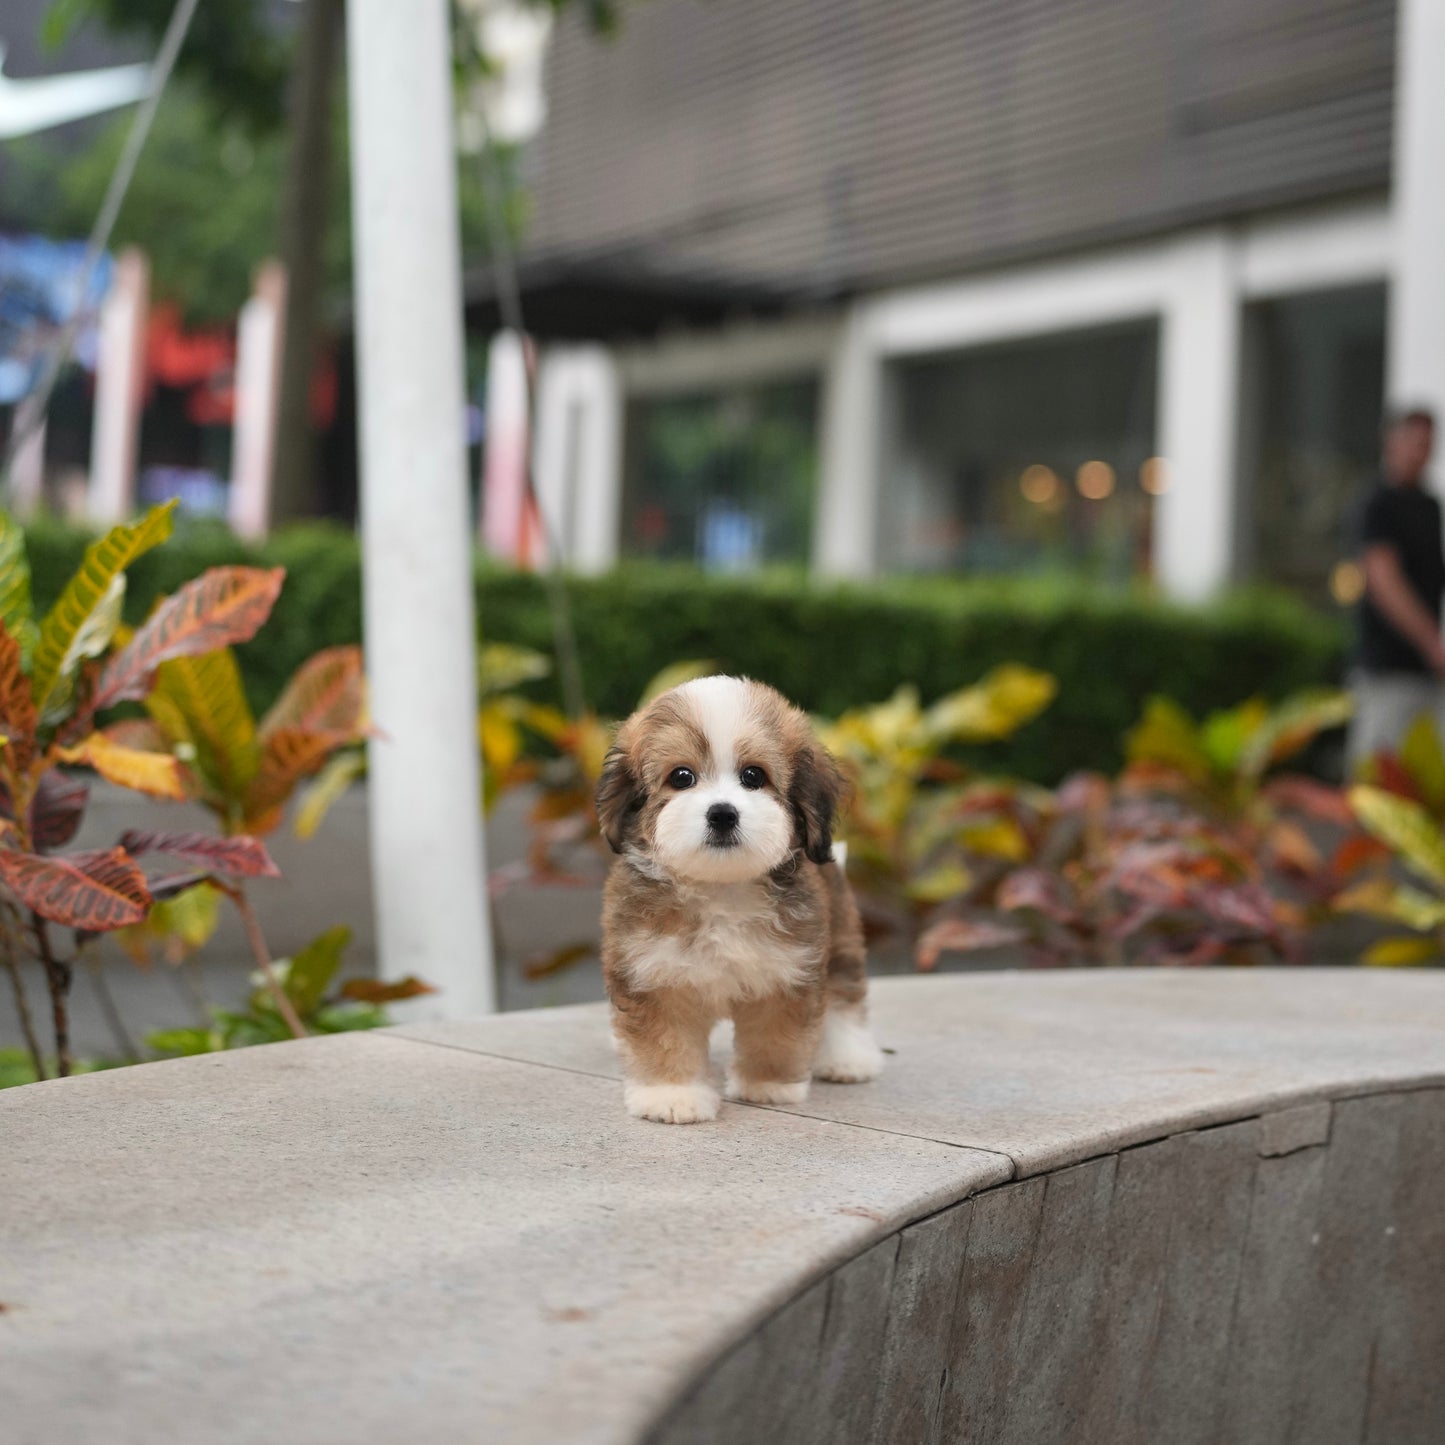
752 778
681 778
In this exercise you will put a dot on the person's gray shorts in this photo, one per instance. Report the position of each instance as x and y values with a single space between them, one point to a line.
1386 704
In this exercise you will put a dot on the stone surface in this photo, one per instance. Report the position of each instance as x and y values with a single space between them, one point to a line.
359 1238
455 1232
1053 1068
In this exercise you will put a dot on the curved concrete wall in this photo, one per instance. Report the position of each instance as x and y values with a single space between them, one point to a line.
1279 1280
1147 1205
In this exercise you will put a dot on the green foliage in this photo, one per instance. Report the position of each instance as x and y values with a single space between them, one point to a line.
828 647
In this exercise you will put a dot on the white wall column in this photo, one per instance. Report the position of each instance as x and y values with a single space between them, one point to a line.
1198 417
1416 364
119 376
505 531
845 531
426 826
258 381
579 454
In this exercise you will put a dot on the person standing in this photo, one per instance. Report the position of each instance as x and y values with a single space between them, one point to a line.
1401 656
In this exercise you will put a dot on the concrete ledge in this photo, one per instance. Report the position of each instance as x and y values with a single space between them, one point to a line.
453 1232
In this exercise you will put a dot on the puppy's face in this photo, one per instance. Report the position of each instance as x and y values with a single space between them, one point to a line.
718 781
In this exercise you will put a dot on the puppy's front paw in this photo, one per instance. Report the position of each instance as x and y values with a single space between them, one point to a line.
847 1053
672 1103
766 1091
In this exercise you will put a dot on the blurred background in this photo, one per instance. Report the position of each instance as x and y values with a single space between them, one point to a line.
1093 305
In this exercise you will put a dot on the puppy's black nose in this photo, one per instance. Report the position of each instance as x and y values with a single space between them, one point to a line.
722 817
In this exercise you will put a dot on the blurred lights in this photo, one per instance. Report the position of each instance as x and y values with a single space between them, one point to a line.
1095 480
1154 476
1039 484
1347 583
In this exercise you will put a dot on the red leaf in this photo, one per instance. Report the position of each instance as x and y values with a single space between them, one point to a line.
326 694
91 892
222 606
1315 799
962 935
1355 852
241 857
18 719
1040 891
1394 777
57 810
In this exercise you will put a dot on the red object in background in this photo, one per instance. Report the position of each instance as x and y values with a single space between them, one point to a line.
202 363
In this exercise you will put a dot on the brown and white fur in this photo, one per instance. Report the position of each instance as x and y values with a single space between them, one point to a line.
725 902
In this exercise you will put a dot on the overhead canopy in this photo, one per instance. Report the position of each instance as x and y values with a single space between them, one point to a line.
613 297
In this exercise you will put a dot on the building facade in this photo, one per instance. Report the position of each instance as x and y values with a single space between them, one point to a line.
1103 284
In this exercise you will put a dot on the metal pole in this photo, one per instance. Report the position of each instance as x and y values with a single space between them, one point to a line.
426 828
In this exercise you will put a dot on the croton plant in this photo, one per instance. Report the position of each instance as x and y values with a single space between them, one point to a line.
159 710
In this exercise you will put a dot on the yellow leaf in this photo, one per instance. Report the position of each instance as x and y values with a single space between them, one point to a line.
674 676
199 701
158 775
1167 735
1399 952
502 666
500 737
72 625
1424 760
331 782
998 704
939 884
996 838
1405 826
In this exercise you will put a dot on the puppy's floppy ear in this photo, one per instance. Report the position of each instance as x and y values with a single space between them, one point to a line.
813 795
619 796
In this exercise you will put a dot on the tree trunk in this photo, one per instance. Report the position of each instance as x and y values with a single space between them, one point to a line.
304 210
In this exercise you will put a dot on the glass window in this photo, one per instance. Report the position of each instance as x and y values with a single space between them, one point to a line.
724 479
1314 382
1033 455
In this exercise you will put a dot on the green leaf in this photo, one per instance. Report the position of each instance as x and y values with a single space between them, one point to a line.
1166 734
341 1018
1227 736
198 702
1401 952
312 969
15 606
85 613
1424 760
1405 827
1294 724
939 884
184 1043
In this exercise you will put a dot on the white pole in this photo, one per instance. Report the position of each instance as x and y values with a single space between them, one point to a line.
426 830
258 378
1417 290
115 430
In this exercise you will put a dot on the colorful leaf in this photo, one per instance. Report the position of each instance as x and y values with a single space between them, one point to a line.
963 935
199 702
158 775
178 925
237 856
1406 827
1166 734
57 810
288 756
18 718
1292 725
939 884
90 892
326 694
222 606
1423 758
77 621
501 666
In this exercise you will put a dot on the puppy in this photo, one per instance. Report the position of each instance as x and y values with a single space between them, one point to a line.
725 902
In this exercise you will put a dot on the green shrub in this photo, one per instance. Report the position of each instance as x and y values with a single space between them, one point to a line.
830 647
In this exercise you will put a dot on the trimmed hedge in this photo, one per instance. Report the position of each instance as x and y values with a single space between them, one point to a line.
827 646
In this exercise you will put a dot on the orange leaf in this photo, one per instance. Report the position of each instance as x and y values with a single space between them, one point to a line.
158 775
1355 852
18 718
222 606
289 754
375 990
92 892
326 694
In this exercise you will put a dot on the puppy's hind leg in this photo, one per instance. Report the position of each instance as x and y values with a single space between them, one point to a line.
847 1053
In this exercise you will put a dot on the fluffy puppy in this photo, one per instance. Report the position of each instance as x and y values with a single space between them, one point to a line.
725 902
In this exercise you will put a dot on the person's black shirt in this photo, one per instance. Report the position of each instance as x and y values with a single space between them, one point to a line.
1407 518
